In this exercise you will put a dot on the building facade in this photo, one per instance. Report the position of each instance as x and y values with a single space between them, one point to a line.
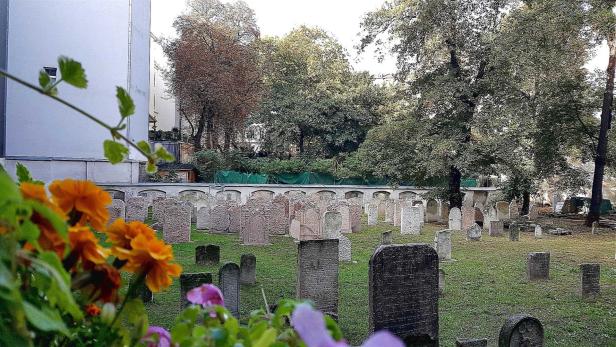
111 39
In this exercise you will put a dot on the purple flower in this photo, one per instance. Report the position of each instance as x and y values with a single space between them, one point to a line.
157 337
310 325
206 295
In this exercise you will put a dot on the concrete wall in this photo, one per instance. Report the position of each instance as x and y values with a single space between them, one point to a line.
162 104
111 40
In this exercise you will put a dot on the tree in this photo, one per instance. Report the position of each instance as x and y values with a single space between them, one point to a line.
214 70
315 100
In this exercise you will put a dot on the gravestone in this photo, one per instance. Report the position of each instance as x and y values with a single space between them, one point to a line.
533 212
514 232
279 215
229 280
473 233
471 342
189 281
468 217
355 216
403 293
421 211
590 274
521 330
432 214
117 209
346 221
386 238
220 219
207 255
253 230
200 255
136 208
497 228
538 267
478 217
158 209
442 244
441 282
176 226
538 231
595 226
389 211
502 210
373 213
444 211
344 248
235 216
514 211
455 219
203 218
317 274
295 229
311 223
248 269
332 225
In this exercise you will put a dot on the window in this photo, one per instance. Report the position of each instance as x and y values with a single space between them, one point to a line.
52 72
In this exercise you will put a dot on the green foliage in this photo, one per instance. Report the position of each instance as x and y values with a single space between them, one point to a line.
23 174
72 72
114 151
126 106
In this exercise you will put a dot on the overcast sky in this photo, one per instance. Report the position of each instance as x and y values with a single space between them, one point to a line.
341 18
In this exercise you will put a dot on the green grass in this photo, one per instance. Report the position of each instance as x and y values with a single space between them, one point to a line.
483 286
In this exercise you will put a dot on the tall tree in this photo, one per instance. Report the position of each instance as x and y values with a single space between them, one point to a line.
214 70
603 21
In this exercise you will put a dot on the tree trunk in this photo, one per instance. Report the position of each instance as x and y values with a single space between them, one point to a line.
606 120
209 133
227 143
200 128
525 202
455 194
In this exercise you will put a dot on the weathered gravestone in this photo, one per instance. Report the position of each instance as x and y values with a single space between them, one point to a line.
253 230
468 217
521 331
207 255
387 238
514 211
533 212
455 219
176 226
595 227
229 280
355 216
117 209
397 213
332 225
189 281
248 269
421 211
432 214
442 244
538 231
502 210
444 211
317 274
158 209
514 232
410 220
373 213
473 233
203 218
235 217
344 248
220 219
497 228
538 266
590 274
136 208
471 342
390 209
403 293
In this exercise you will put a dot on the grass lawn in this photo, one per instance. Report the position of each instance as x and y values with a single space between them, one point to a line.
483 286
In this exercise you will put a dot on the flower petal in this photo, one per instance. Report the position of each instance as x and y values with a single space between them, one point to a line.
310 325
383 338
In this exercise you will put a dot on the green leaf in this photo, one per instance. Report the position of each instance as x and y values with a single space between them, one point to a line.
268 337
44 79
45 319
135 318
163 154
144 146
28 231
333 327
8 189
115 151
22 173
125 102
72 72
232 326
151 167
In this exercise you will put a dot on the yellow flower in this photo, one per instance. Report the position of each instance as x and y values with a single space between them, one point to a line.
85 247
120 233
82 200
151 257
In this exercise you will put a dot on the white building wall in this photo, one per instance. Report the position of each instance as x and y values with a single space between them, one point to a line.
99 35
162 103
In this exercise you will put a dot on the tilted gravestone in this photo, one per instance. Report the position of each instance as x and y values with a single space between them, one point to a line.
176 227
317 274
332 225
248 269
538 266
189 281
455 219
136 208
403 293
473 233
590 274
514 232
497 228
471 342
387 238
117 209
344 248
468 217
432 214
229 280
521 330
373 213
207 255
442 244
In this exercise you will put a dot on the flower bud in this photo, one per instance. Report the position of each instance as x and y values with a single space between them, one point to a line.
108 313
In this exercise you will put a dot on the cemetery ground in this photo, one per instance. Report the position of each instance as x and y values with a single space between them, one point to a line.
483 286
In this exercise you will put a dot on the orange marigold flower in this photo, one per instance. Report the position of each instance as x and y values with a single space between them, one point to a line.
85 247
86 198
50 240
36 192
103 283
120 233
93 310
152 257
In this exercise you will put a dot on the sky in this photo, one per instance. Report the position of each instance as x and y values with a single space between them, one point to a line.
341 18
